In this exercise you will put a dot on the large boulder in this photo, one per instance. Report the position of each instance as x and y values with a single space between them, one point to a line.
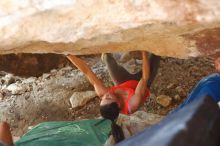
179 28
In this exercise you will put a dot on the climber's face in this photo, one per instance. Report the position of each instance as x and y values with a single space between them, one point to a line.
217 64
108 98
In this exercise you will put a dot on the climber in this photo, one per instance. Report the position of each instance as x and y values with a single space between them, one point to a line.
5 135
130 90
208 86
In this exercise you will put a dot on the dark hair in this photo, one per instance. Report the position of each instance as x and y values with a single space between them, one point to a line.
111 112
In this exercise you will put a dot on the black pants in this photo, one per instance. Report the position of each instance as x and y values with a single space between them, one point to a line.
119 74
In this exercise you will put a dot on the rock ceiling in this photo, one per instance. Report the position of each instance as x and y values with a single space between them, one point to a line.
176 28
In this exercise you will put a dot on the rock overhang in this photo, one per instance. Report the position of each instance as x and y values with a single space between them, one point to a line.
178 29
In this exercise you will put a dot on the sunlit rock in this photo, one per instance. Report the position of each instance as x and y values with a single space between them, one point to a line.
168 28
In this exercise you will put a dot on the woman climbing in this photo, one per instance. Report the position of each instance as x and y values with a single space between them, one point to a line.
130 90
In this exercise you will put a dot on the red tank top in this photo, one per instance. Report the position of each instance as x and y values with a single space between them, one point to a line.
129 86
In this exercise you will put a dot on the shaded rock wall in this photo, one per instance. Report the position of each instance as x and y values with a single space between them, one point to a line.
31 64
180 28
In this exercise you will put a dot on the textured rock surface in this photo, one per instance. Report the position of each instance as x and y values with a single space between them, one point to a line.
81 98
135 123
45 98
172 28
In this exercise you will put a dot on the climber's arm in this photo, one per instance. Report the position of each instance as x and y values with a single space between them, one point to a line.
81 65
140 91
5 134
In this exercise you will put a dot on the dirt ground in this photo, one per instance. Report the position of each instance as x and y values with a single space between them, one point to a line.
46 98
176 78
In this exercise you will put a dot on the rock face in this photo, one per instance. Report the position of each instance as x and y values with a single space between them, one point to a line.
31 64
81 98
172 28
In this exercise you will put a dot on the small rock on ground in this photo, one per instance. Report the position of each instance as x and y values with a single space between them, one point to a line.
16 89
164 100
8 79
177 98
79 99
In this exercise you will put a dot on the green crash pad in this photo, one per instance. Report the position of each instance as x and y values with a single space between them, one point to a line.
80 133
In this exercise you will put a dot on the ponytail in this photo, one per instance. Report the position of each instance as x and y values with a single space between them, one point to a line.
117 132
111 112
